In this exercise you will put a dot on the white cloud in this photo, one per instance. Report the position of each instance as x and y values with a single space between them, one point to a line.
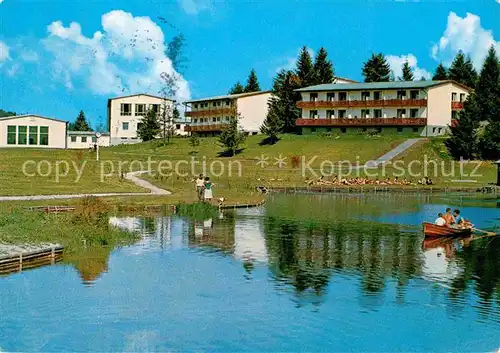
13 70
1 1
290 63
464 34
193 7
127 56
4 51
396 63
29 55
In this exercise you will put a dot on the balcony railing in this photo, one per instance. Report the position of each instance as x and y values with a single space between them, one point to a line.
209 112
457 105
363 122
204 128
364 103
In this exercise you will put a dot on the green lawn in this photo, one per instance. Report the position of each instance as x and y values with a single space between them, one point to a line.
239 186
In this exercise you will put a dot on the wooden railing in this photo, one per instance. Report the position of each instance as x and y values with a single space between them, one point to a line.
209 112
457 105
363 122
204 128
364 103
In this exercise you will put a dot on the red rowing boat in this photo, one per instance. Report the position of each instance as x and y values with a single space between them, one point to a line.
433 230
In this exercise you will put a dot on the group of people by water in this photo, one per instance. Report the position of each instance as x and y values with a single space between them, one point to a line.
204 188
359 181
453 220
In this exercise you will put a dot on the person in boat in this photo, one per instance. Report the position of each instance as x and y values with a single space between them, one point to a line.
460 221
448 217
440 221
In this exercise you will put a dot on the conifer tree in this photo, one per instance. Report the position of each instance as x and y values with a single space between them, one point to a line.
150 126
80 123
285 98
463 139
489 143
441 73
462 71
231 137
376 69
407 72
237 89
272 124
323 68
305 68
252 83
488 88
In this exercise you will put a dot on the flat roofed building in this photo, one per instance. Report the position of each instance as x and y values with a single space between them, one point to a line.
209 115
33 131
125 115
87 139
420 107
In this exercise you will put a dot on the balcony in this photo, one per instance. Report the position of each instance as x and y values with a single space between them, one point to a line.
204 128
457 105
363 122
209 112
364 103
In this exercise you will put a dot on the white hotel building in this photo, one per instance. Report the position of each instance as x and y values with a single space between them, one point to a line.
425 108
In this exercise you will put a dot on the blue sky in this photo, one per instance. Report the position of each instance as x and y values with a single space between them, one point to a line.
53 68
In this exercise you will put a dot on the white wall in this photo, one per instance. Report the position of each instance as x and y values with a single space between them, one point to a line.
104 141
57 131
117 133
253 110
439 103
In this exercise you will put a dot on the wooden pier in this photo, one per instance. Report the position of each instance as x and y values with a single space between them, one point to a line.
16 258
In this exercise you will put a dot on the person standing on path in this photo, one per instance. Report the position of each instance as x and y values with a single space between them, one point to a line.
200 187
208 190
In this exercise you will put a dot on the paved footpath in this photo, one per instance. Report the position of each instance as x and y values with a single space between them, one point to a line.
132 176
393 153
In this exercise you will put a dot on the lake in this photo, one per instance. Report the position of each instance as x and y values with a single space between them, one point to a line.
305 272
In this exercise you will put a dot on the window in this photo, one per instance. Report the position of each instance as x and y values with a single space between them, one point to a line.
218 118
462 97
343 130
376 96
365 96
140 109
365 113
413 113
454 97
415 129
227 118
44 135
439 130
313 129
22 132
378 129
178 126
342 96
124 126
313 114
401 94
330 114
377 113
227 102
196 106
11 135
125 109
400 129
84 139
33 135
155 108
206 105
342 114
413 94
214 120
218 104
433 130
401 113
94 139
194 121
313 97
330 97
73 138
214 104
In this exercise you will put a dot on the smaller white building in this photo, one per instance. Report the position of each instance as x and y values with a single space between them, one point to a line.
33 131
125 115
87 139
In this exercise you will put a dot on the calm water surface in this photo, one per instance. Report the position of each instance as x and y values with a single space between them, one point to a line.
303 273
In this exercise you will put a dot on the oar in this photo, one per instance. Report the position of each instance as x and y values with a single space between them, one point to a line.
484 231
